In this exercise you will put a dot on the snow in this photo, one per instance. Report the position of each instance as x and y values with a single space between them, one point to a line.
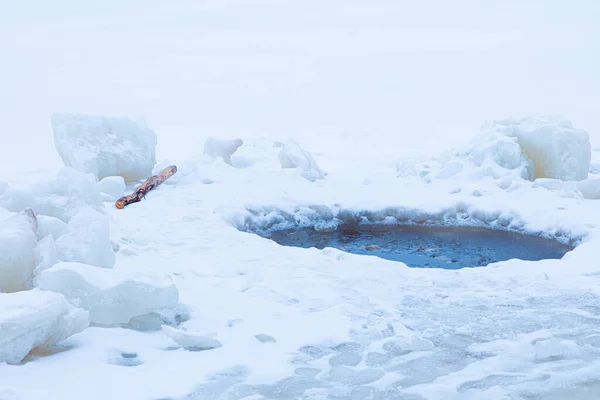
224 149
61 198
292 155
542 149
556 149
105 146
589 188
387 98
192 340
17 251
86 239
111 297
34 320
114 186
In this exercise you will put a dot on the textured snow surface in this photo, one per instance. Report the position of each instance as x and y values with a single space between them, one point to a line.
343 326
33 320
111 296
17 251
105 146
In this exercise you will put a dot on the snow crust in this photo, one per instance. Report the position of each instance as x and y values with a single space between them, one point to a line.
219 148
105 146
36 319
110 296
292 155
86 240
17 251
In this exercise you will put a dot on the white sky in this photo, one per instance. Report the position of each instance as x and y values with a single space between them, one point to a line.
416 73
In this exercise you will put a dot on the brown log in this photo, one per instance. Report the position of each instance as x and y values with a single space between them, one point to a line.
150 183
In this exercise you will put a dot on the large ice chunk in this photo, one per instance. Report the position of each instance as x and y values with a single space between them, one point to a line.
194 341
86 239
114 186
105 146
50 226
45 258
215 148
556 149
36 319
111 296
61 198
17 251
292 155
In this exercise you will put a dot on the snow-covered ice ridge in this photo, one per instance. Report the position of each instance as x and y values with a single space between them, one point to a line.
263 220
249 319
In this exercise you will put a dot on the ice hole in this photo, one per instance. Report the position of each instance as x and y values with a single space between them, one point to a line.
427 246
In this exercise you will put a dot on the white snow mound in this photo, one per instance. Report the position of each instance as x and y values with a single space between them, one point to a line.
215 148
114 186
17 251
192 340
36 319
111 296
292 155
105 146
86 239
513 149
589 188
61 198
556 149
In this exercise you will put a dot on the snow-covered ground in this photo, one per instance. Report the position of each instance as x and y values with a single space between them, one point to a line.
375 95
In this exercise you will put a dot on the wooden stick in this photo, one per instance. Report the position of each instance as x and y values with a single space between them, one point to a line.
150 183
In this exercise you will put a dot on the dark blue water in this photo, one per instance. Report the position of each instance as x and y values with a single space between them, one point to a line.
427 247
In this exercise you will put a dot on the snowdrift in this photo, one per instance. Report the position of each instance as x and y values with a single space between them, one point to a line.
105 146
547 147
